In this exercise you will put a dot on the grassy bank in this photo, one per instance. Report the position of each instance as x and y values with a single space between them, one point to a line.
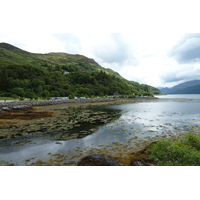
6 98
179 152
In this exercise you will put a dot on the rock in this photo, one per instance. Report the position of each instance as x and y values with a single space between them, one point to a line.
5 108
58 143
98 160
142 162
93 130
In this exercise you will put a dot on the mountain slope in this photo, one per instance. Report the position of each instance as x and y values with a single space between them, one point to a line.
13 55
59 74
189 87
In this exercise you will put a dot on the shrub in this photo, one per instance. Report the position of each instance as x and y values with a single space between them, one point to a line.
131 96
192 140
183 152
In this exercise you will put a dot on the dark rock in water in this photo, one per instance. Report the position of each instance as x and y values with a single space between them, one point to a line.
98 160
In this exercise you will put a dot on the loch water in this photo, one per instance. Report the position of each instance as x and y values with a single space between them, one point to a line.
149 120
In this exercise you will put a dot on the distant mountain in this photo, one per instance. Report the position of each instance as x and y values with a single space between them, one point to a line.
189 87
60 74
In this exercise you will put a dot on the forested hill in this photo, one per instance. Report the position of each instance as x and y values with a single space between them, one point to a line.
60 74
12 55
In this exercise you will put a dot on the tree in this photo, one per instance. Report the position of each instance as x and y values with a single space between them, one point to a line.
57 68
18 91
39 90
55 94
30 94
4 80
45 94
36 82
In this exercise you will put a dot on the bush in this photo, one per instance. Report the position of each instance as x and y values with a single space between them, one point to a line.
131 96
183 152
192 140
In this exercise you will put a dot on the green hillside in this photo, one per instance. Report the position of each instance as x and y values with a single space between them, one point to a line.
60 74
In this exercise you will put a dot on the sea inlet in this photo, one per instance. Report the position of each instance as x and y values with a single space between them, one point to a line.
65 134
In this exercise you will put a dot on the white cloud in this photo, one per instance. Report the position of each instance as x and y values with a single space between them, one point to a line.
187 50
114 51
34 42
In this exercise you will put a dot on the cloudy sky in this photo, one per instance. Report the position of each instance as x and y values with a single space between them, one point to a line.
155 59
149 47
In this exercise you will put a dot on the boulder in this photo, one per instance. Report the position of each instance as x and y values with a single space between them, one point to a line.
98 160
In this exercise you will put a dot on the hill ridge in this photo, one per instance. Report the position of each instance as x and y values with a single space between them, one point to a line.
60 74
6 46
188 87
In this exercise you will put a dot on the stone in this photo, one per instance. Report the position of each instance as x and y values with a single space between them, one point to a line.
141 162
5 108
98 160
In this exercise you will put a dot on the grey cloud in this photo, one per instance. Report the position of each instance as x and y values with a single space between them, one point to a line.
187 50
191 73
170 78
115 50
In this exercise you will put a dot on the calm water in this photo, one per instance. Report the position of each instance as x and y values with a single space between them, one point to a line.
180 96
170 115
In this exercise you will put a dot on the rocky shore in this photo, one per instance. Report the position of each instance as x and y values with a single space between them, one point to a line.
62 120
54 118
24 105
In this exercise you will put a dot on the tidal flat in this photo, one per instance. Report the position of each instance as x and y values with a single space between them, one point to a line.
63 134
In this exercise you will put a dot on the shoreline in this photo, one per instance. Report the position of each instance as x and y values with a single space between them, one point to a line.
24 105
38 119
25 114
